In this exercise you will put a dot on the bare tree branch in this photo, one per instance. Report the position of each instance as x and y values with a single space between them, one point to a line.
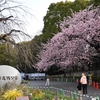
5 19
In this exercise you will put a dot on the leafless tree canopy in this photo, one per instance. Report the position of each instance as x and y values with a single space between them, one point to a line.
12 21
12 30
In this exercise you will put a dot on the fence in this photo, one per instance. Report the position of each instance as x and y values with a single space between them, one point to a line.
68 93
93 84
64 79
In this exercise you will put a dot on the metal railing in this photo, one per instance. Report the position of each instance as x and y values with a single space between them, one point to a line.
68 93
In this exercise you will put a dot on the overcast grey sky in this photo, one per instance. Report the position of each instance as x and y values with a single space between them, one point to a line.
39 9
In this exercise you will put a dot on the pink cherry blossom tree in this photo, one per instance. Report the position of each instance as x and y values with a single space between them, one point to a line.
77 42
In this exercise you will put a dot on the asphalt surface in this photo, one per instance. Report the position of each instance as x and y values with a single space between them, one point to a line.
68 88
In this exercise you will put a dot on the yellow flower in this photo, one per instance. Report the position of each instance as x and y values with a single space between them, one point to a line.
11 94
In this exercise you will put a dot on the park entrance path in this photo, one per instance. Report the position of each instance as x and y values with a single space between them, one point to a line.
70 86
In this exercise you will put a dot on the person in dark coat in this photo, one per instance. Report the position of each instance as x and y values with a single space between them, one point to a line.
79 87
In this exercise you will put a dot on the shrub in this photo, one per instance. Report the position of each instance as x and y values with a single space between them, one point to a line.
11 94
37 94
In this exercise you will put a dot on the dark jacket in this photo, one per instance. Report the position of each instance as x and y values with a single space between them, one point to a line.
79 86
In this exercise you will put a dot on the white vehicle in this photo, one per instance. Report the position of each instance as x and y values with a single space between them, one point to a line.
36 76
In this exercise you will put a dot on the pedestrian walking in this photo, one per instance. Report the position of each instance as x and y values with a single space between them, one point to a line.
47 81
83 81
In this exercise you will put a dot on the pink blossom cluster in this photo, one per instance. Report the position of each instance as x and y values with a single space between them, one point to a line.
75 43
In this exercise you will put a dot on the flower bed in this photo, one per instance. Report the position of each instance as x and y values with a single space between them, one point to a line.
32 93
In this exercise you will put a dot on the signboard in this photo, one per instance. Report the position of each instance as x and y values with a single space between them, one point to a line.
9 74
22 98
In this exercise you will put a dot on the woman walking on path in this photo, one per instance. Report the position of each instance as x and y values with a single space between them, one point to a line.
47 81
84 83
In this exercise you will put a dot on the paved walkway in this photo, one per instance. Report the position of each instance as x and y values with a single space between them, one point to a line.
68 87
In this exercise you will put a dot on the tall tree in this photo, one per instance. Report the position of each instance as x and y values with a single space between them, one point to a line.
96 2
56 13
27 54
3 54
12 24
76 44
7 54
12 31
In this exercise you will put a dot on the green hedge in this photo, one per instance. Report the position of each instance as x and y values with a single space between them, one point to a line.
96 79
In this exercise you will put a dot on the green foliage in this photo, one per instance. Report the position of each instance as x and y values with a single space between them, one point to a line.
33 94
3 54
56 13
81 4
96 2
54 70
49 95
96 79
8 54
37 94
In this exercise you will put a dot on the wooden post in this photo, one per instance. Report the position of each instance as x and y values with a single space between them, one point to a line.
71 95
57 92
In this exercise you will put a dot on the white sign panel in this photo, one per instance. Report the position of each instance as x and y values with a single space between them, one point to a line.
9 74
